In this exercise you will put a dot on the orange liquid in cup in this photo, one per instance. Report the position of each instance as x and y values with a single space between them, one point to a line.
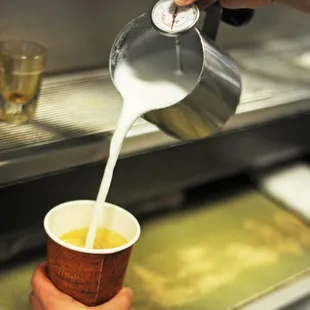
105 238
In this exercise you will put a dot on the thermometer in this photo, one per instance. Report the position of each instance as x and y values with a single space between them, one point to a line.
172 20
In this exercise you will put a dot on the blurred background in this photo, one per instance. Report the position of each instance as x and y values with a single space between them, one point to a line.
231 210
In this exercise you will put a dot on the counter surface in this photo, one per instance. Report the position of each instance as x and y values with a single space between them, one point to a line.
243 247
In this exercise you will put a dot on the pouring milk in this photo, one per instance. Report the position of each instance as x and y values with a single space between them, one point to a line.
147 82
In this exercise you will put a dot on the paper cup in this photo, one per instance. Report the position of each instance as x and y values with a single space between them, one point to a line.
90 276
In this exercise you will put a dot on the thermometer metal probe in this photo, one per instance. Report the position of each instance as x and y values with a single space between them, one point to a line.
173 21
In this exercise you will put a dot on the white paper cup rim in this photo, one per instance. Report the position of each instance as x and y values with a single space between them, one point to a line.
91 251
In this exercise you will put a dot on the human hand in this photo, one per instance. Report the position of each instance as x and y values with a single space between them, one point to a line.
45 296
230 4
302 5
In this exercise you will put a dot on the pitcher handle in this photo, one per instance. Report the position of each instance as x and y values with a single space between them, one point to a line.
215 14
238 17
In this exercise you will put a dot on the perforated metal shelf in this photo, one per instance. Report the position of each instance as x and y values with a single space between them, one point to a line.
76 113
83 104
70 106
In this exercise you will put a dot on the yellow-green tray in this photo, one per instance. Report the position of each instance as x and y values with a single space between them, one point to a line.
218 257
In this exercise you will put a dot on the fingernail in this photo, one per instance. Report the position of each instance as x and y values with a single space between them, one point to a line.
35 302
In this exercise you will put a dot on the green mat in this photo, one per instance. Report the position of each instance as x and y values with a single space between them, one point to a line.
15 288
217 257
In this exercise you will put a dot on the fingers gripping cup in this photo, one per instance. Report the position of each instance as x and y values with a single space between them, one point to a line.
90 276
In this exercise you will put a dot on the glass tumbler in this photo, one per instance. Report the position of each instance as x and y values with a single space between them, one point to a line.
21 68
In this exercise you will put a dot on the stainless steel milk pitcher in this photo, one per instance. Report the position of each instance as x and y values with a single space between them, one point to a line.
217 92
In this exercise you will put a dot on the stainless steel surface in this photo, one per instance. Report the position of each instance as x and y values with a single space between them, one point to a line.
289 297
300 305
282 183
55 141
79 33
77 105
77 112
178 54
216 94
70 106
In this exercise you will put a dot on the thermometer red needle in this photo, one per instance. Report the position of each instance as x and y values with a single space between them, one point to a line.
172 20
175 13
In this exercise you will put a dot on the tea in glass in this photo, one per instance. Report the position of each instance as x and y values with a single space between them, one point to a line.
21 68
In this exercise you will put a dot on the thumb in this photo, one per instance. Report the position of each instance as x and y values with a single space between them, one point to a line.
122 301
201 3
184 2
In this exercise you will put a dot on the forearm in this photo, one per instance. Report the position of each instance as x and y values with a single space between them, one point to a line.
302 5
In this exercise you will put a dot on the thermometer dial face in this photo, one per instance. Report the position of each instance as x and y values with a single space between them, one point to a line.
172 20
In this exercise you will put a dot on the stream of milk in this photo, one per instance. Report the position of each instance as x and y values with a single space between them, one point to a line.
147 83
